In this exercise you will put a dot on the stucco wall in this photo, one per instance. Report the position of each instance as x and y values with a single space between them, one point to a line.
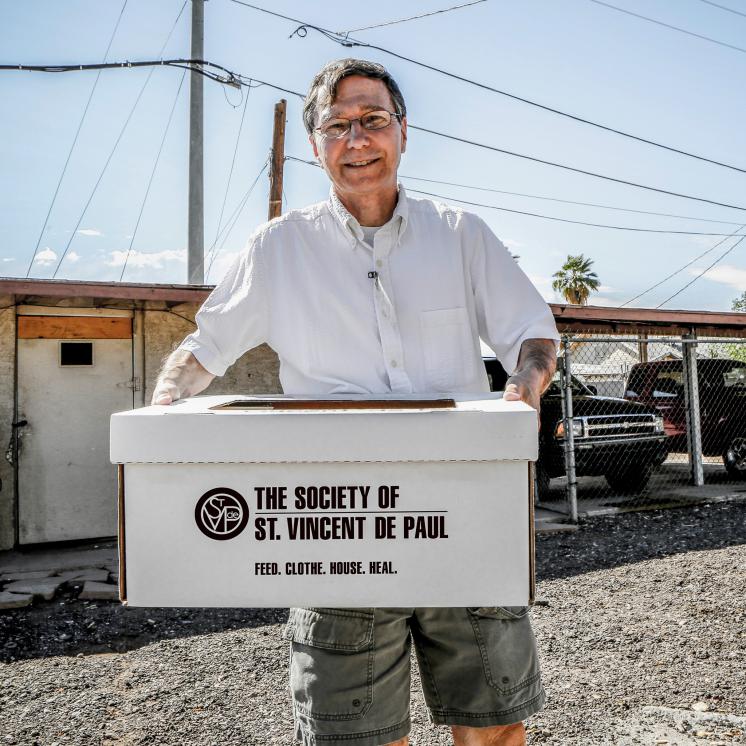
256 372
7 379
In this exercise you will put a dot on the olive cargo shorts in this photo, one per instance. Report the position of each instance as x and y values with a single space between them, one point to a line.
349 670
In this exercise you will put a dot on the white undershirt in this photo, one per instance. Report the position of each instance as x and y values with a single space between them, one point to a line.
369 233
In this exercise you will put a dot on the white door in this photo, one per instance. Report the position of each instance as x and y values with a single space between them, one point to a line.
73 372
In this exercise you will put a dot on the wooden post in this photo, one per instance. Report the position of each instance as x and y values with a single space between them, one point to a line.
277 161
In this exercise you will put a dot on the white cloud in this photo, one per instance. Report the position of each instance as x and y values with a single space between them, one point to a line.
141 259
606 289
726 274
9 258
72 257
46 257
90 232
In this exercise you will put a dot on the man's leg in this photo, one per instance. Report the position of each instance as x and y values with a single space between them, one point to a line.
479 671
497 735
401 742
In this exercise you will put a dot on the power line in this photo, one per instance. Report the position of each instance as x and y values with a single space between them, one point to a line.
543 217
576 170
74 142
566 220
681 269
152 174
238 79
116 145
669 26
704 271
722 7
233 219
233 163
411 18
565 201
346 41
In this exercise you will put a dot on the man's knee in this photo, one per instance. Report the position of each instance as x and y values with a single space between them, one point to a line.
495 735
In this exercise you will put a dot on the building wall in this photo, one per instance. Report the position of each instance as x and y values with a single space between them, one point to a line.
7 408
256 372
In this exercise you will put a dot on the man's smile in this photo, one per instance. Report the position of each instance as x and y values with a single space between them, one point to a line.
361 163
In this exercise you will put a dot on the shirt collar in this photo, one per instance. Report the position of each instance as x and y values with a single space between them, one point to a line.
352 227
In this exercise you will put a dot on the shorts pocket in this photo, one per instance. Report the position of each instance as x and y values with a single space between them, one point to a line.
447 348
331 662
507 646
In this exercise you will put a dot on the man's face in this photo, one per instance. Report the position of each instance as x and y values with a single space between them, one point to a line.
362 162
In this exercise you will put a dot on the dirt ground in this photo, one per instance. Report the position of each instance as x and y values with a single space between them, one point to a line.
641 624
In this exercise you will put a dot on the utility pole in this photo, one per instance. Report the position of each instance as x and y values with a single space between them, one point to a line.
196 253
277 161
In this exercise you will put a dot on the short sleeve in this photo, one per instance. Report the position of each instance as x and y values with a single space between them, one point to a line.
509 308
234 318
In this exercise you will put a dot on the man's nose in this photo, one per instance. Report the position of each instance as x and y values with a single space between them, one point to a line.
358 135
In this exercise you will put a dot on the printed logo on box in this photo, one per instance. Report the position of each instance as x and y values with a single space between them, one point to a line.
221 513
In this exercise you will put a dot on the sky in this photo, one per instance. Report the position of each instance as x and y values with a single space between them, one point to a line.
577 56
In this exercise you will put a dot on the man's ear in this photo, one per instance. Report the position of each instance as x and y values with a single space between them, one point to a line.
404 134
312 140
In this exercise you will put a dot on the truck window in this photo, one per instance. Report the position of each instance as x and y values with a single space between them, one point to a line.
669 384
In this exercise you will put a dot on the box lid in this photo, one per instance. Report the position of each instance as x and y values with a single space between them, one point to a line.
271 429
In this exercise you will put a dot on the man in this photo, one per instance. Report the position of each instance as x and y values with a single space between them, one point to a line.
375 292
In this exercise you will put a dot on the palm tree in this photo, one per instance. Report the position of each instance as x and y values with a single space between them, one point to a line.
575 280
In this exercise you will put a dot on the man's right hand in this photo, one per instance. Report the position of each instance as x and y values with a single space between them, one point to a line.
182 375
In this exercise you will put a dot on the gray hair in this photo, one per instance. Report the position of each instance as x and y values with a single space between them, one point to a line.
323 89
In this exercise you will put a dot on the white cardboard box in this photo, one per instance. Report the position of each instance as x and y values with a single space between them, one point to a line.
337 502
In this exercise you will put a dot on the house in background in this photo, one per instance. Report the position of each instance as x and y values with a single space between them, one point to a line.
605 365
71 353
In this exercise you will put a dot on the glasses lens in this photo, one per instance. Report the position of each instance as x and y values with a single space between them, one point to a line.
335 128
375 120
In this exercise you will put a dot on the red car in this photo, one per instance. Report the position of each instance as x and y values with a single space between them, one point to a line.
722 405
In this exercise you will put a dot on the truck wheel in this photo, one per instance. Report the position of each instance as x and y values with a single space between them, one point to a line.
734 458
630 479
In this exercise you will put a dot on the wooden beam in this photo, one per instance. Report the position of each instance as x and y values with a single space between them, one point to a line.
74 327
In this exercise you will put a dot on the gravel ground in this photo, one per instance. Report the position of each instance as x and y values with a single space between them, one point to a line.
641 628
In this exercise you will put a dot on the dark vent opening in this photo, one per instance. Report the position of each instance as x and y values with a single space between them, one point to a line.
76 353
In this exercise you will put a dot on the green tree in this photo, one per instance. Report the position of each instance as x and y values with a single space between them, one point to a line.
739 304
575 280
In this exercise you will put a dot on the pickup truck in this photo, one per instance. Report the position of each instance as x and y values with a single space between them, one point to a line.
623 441
659 386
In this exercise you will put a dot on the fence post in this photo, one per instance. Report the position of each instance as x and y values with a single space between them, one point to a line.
566 379
691 400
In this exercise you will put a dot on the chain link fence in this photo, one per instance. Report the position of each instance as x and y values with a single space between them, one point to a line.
633 421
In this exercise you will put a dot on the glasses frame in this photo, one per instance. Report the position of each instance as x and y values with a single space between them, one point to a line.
393 114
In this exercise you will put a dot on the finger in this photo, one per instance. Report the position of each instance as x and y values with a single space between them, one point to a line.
511 393
162 397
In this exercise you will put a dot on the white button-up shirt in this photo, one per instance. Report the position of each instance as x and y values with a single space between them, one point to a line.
404 315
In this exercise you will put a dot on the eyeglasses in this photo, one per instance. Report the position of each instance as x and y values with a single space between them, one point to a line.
337 127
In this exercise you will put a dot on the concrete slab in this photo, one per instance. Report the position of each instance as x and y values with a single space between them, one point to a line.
14 600
99 591
92 573
555 528
29 575
42 588
59 559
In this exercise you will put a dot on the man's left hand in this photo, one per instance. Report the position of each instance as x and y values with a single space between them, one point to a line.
536 365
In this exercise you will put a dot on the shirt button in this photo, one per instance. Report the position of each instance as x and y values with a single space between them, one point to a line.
394 363
379 263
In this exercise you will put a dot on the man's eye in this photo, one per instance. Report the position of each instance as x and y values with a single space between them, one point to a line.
375 120
335 128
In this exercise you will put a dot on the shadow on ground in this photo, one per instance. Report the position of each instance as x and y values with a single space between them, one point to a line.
610 541
68 626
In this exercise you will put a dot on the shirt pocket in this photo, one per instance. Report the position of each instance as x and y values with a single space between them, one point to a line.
447 348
